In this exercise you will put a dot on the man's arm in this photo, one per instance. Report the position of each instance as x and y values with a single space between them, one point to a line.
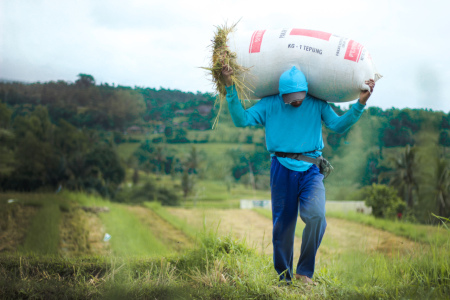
365 95
344 122
227 71
241 118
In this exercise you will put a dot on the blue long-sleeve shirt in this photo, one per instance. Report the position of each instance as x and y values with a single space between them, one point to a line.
292 129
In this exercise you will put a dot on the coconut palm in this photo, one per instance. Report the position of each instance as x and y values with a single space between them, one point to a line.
442 187
159 159
404 177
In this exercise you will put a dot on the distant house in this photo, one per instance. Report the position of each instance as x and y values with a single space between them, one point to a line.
204 109
183 112
134 130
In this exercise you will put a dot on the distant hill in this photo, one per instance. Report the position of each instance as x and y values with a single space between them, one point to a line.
86 104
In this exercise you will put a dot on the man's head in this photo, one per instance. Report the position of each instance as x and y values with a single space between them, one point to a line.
295 99
293 87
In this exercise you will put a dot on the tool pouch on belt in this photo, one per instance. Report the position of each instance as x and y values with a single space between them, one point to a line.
324 165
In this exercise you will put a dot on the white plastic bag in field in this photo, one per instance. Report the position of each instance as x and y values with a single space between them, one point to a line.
335 67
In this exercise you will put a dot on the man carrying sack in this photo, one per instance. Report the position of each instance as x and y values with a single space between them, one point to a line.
293 124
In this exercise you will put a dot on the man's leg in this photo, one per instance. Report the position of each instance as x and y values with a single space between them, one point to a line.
312 212
284 184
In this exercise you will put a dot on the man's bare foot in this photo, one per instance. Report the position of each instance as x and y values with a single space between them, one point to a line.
305 279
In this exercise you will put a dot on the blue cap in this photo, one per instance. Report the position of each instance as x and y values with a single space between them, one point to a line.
293 82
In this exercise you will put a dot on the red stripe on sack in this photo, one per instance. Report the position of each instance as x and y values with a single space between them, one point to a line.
311 33
255 43
354 50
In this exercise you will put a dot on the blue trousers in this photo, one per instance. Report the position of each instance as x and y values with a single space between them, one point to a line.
292 193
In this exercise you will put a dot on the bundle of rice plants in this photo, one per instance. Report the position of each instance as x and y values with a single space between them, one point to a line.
222 55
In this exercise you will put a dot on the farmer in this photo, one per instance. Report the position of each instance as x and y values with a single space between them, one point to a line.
293 123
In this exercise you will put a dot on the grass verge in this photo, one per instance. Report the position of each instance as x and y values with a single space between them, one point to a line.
223 268
42 232
181 225
129 236
420 233
435 235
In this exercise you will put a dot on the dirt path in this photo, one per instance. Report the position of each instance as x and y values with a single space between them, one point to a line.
343 235
340 236
243 224
82 233
96 234
169 235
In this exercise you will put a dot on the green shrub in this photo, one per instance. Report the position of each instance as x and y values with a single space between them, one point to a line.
384 201
157 140
118 137
147 192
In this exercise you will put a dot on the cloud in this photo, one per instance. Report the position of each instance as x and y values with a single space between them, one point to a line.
156 43
136 15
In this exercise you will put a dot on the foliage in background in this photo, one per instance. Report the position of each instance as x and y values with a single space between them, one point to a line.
384 201
442 187
255 164
405 174
46 155
146 192
74 141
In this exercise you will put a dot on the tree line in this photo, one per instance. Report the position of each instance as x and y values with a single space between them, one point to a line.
87 105
62 133
38 154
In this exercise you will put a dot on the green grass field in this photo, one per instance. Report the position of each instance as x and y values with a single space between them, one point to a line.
206 193
212 150
128 236
125 150
142 259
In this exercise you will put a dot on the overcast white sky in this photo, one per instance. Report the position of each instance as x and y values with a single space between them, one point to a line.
163 43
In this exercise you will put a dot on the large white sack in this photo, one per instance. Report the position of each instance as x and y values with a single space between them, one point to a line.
335 67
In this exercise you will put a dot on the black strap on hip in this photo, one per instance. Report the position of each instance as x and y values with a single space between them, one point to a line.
299 156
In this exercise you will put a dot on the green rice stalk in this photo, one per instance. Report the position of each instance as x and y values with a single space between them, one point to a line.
222 55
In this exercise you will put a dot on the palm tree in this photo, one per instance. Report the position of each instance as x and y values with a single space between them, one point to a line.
6 152
444 139
442 187
160 159
405 177
193 162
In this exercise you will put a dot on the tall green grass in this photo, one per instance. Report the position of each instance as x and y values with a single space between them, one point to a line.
359 275
226 268
87 199
221 267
